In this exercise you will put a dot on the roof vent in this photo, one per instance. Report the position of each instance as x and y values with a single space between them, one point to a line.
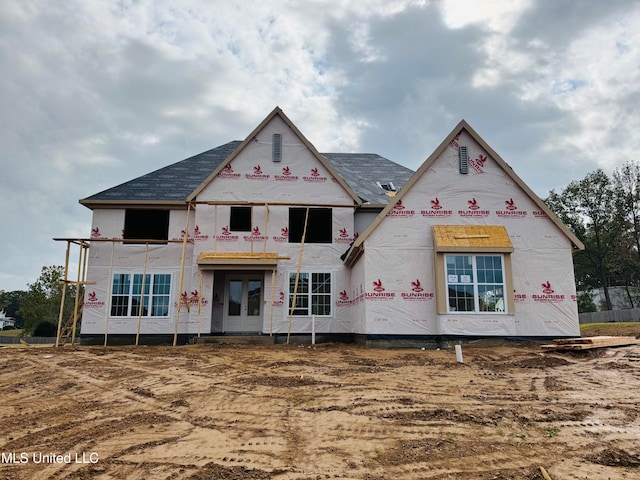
389 187
464 159
277 147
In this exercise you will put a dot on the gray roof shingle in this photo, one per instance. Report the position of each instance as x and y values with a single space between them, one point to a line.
361 171
176 182
172 183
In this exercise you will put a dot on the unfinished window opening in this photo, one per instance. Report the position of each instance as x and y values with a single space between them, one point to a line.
240 219
319 225
277 147
313 296
143 224
463 159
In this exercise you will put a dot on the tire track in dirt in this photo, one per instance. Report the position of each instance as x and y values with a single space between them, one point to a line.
332 411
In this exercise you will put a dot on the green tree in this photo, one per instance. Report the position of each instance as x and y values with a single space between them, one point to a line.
627 263
591 208
41 303
626 180
585 303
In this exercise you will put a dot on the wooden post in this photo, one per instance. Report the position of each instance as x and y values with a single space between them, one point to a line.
141 305
273 294
106 327
86 247
75 305
184 253
64 293
266 227
215 229
200 304
295 287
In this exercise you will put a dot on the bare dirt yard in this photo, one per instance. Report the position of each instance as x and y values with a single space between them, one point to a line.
319 412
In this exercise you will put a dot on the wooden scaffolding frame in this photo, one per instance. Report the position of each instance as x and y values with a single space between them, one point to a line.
67 328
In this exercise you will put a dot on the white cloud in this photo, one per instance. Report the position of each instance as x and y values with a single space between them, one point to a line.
596 81
95 93
493 15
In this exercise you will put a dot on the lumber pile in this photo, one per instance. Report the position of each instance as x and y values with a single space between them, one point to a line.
585 343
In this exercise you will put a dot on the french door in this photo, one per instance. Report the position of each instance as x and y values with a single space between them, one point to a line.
243 304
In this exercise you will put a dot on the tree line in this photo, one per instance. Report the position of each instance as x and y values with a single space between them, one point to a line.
604 213
37 309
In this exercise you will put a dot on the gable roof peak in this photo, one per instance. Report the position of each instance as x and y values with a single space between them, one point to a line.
278 111
358 246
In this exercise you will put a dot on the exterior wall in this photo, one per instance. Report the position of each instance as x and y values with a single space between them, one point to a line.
107 257
315 258
252 176
393 304
391 290
400 251
363 219
298 179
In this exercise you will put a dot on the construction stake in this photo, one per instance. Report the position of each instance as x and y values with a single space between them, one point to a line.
544 473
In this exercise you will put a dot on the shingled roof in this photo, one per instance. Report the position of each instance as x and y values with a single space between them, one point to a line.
174 183
363 172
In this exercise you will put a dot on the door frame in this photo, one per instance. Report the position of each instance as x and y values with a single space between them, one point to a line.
244 319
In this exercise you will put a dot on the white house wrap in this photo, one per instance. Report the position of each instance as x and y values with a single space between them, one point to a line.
462 247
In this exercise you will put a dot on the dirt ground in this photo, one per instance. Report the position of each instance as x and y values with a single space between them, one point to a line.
327 411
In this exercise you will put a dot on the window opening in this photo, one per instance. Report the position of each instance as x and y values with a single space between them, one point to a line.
240 219
141 224
319 225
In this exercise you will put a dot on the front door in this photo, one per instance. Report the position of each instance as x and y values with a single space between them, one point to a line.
243 304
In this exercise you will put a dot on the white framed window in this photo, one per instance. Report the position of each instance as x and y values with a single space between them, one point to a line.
475 283
313 295
129 300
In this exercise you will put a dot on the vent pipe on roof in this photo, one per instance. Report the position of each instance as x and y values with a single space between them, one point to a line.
277 147
464 159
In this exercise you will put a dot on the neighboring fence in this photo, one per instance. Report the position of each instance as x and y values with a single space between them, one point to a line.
628 315
34 340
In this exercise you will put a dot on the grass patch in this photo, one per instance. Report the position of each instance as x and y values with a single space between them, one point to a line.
551 432
11 333
610 328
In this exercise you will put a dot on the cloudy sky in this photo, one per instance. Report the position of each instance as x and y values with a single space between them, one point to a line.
96 92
